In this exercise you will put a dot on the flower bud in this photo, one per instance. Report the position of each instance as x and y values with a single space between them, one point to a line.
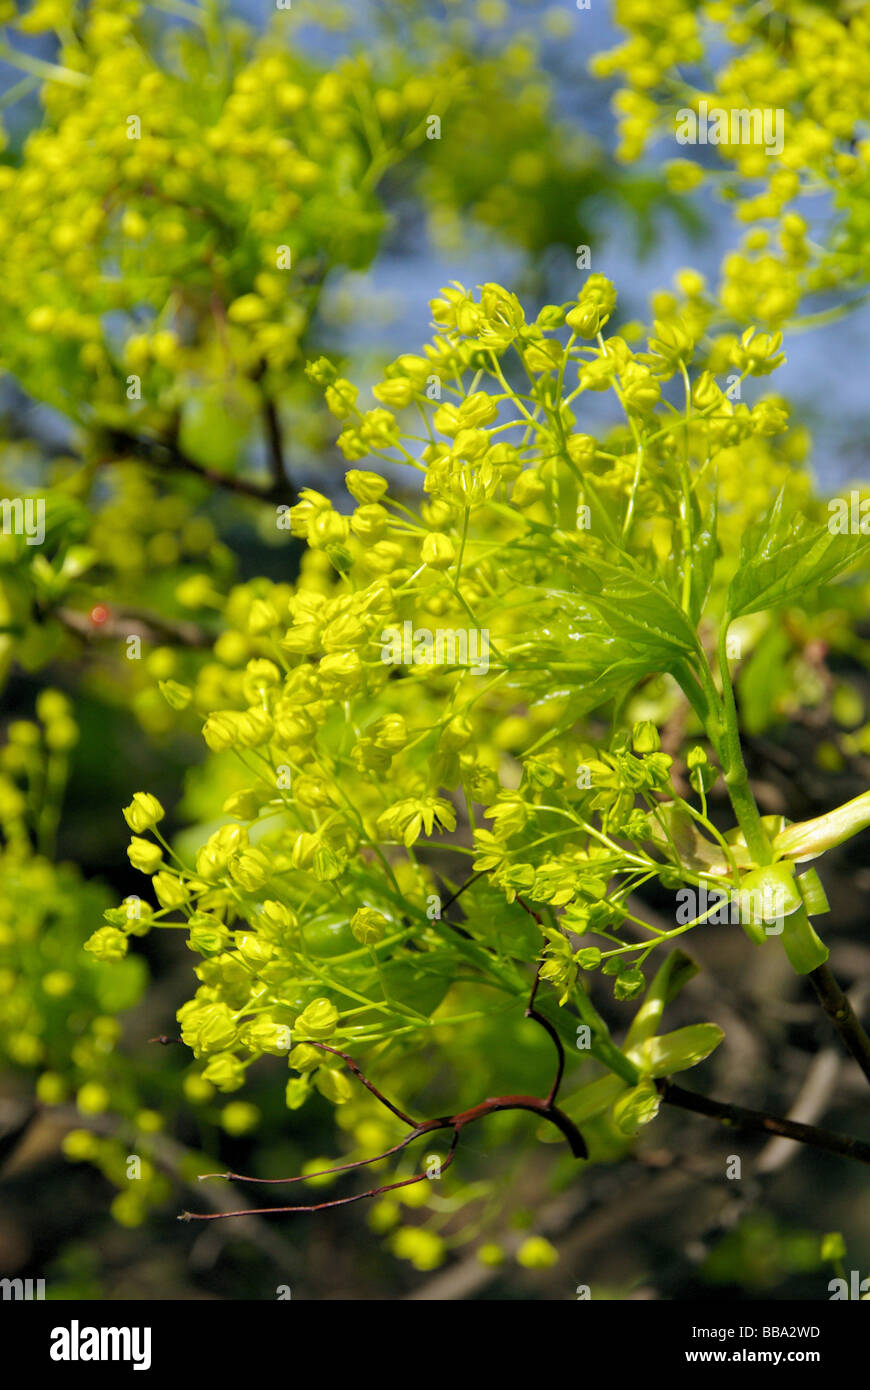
365 487
177 696
457 734
645 737
225 1071
220 730
368 926
254 728
144 812
250 869
275 920
318 1020
581 448
334 1085
537 1253
396 392
107 943
171 892
144 856
244 804
528 488
207 935
438 551
305 1058
207 1028
264 1035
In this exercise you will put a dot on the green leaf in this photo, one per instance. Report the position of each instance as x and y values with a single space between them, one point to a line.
678 1051
782 558
764 679
705 549
593 1098
628 602
804 947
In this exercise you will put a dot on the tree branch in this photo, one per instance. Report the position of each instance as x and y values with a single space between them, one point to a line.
842 1015
761 1123
123 447
544 1108
126 622
274 440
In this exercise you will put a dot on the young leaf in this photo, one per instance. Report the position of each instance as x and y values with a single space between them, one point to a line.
782 558
630 603
678 1051
705 548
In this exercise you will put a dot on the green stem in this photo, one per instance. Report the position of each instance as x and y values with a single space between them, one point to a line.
46 72
736 775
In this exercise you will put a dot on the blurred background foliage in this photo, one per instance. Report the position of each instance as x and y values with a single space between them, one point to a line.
286 193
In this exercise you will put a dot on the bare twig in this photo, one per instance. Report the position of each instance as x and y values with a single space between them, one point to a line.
761 1123
545 1108
838 1009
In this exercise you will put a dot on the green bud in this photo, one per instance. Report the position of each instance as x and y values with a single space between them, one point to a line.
645 737
264 1035
170 890
368 926
107 943
208 935
637 1107
144 812
250 869
318 1020
629 983
334 1085
144 856
207 1028
305 1058
588 958
365 487
176 696
297 1091
225 1071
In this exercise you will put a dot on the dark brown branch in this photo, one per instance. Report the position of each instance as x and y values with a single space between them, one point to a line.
761 1123
274 439
544 1108
842 1015
275 445
461 889
545 1023
351 1064
121 447
322 1173
324 1206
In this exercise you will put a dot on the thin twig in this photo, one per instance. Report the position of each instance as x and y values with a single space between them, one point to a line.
544 1107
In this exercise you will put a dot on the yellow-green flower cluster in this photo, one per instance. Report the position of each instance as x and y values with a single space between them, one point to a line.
806 65
353 748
